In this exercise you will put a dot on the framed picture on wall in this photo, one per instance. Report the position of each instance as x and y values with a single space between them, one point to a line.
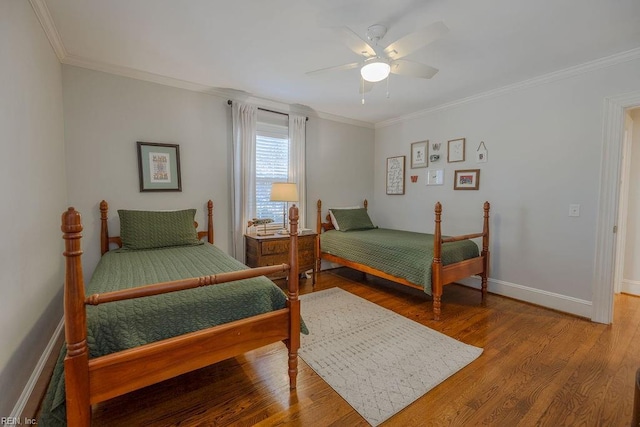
455 150
419 154
159 167
468 179
395 175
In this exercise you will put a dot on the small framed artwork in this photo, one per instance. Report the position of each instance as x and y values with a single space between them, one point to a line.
435 176
159 167
419 152
468 179
395 175
455 150
481 153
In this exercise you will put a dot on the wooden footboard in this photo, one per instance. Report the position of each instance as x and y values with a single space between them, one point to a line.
90 381
440 274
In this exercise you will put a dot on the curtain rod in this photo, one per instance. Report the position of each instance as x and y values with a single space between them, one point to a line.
230 102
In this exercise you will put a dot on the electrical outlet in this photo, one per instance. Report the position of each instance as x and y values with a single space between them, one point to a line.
574 210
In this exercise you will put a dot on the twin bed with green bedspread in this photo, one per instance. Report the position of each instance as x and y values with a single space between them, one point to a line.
160 248
400 253
419 260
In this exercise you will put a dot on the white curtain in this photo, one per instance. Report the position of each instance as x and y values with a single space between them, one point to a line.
297 138
244 117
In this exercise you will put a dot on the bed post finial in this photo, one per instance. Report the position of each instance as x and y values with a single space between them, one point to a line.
210 236
293 343
75 323
366 204
104 228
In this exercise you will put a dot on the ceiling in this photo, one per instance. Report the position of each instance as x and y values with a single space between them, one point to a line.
263 49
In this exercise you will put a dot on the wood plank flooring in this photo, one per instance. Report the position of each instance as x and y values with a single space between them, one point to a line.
539 367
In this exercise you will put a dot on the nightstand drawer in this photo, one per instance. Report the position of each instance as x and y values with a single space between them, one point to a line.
270 247
264 251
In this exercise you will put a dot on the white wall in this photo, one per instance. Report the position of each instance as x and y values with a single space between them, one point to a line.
544 146
105 115
34 195
340 165
631 275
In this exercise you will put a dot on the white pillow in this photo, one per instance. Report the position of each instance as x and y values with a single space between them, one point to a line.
333 218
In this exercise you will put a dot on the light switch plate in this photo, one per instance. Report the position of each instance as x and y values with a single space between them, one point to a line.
574 210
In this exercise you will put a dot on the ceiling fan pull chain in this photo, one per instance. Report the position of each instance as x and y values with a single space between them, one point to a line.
362 83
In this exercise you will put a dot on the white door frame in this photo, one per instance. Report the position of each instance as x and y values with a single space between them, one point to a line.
609 196
621 240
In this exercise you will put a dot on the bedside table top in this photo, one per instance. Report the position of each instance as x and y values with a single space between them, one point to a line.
279 236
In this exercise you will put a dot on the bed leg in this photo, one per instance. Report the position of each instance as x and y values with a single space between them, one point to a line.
484 289
293 367
436 306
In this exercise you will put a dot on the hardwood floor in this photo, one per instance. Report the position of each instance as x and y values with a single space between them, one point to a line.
539 367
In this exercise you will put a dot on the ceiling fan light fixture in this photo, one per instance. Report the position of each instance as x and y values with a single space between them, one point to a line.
375 70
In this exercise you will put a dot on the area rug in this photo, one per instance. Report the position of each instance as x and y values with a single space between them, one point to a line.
377 360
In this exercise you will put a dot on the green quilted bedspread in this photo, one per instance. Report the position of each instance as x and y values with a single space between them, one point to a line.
400 253
126 324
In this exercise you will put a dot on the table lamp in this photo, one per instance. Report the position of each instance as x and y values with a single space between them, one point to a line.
284 192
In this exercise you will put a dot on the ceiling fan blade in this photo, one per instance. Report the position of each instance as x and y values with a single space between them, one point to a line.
354 42
365 86
416 40
405 67
335 68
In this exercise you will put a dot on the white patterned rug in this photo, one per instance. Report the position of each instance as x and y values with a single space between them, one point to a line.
377 360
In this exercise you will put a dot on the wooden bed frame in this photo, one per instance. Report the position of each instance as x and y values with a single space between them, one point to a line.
89 381
440 275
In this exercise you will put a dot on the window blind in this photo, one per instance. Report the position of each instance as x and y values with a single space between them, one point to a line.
272 164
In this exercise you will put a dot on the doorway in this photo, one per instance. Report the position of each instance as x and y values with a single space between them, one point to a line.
627 269
614 112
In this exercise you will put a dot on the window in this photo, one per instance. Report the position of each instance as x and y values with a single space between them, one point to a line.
272 163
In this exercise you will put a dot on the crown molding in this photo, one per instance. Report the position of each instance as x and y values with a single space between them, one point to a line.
44 16
607 61
197 87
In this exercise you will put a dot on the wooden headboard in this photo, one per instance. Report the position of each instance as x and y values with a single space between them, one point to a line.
326 226
106 241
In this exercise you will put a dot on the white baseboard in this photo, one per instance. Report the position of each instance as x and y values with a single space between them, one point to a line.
16 413
631 287
547 299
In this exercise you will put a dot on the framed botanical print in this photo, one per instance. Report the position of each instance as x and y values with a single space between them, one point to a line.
455 150
419 154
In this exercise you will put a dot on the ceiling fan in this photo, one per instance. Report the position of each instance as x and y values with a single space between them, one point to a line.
377 62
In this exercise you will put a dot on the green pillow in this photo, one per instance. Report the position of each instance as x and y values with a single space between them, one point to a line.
149 229
352 219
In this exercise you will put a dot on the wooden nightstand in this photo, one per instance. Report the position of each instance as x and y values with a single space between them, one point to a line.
272 250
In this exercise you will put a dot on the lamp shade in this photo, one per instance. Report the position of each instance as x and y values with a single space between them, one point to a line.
284 192
375 70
